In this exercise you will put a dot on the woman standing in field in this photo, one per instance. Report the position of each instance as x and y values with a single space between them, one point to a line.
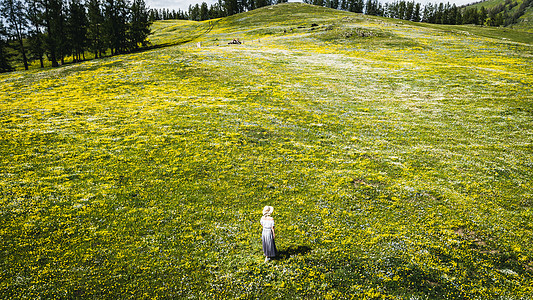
269 246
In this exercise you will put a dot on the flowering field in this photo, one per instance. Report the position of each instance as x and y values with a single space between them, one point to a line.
398 158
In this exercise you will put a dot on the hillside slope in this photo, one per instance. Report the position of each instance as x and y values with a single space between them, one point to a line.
397 156
297 18
524 23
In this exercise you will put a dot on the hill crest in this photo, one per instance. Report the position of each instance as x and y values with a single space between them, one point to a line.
293 19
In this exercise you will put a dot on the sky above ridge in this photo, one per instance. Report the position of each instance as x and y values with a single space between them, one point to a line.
184 4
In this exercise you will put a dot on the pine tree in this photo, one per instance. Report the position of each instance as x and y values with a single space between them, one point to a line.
95 29
231 6
116 13
4 58
392 9
374 8
409 10
358 6
194 12
454 15
483 15
15 16
416 14
215 11
259 3
402 8
368 8
343 5
153 15
36 36
139 26
77 29
54 19
204 12
470 16
439 13
429 13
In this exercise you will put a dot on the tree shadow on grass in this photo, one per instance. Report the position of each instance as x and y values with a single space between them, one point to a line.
292 250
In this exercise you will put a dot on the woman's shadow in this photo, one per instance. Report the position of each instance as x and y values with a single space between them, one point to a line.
292 250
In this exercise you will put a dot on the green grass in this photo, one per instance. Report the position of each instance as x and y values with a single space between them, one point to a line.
525 22
499 33
493 3
397 156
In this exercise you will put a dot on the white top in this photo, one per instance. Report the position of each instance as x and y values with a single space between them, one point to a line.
267 224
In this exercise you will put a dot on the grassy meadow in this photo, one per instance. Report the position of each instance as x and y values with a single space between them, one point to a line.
398 157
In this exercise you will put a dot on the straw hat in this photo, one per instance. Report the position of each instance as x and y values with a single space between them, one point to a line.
267 210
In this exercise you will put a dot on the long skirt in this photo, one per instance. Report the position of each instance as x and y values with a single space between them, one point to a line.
269 246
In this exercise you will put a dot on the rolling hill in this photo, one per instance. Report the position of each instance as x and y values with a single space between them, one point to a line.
524 23
397 156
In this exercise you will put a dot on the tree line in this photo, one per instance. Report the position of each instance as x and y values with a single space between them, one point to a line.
57 29
203 11
439 13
